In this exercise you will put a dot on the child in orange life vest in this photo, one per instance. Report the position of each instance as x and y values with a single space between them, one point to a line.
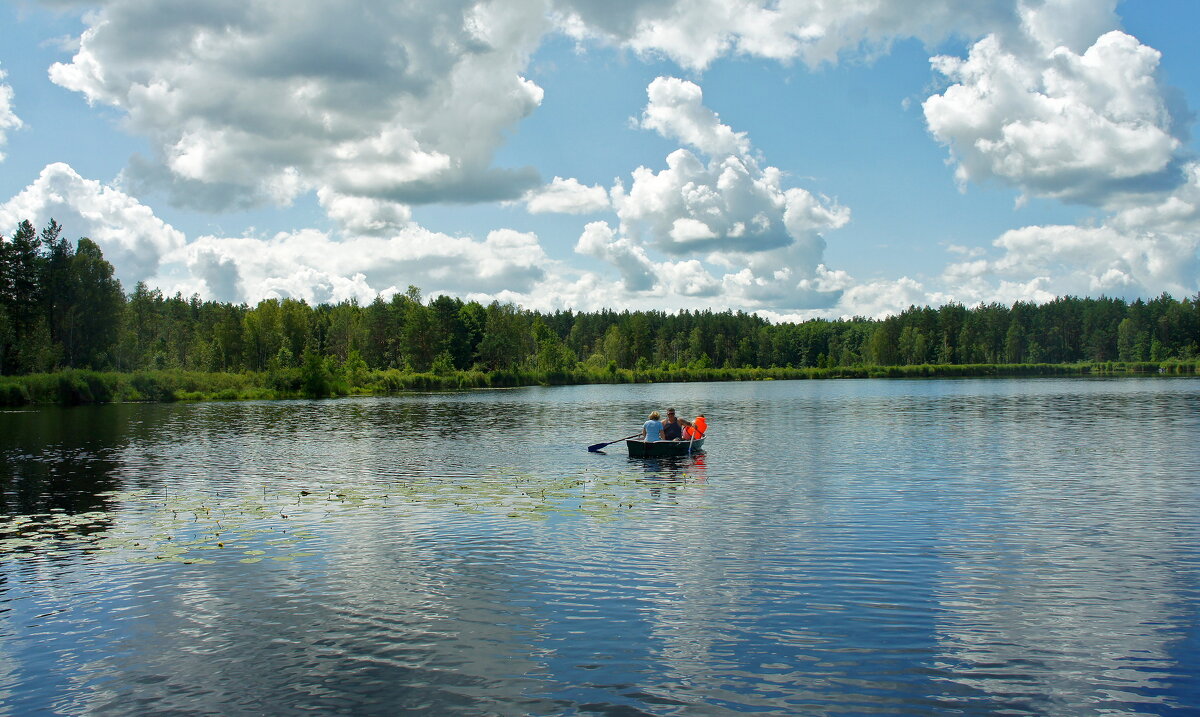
695 429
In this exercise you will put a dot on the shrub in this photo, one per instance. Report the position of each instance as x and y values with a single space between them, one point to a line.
13 394
73 389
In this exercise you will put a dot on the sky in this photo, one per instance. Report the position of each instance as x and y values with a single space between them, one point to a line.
792 158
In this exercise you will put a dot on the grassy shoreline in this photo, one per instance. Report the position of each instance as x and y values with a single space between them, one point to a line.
73 387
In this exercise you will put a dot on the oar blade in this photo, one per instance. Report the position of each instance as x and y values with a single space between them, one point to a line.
597 446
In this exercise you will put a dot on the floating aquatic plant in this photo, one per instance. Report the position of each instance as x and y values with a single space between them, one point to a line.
273 522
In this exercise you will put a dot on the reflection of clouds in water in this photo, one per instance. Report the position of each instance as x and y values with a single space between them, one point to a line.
431 607
1043 604
875 546
721 618
1057 623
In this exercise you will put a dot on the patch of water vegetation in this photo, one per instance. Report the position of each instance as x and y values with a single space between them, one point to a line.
286 522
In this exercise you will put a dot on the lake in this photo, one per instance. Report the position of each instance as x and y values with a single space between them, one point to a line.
971 546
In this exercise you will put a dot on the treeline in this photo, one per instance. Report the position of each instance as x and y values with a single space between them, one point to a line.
61 308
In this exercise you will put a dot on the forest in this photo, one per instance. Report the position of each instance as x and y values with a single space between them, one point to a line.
63 311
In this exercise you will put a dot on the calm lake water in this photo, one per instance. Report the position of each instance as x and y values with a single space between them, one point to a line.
842 547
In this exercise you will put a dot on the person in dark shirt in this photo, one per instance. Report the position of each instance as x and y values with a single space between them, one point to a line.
672 428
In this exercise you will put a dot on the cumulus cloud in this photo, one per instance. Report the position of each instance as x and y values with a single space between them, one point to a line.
1090 127
258 101
378 108
1140 251
132 238
8 119
676 111
566 196
729 204
728 212
358 216
379 250
694 33
600 241
638 272
876 299
1072 109
317 267
220 275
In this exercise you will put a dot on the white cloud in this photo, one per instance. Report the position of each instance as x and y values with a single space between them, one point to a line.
1177 212
1070 108
381 250
220 276
1140 251
881 298
1090 127
358 216
637 270
1087 261
730 212
316 267
8 119
1073 24
400 102
676 111
566 196
694 33
381 107
729 204
131 237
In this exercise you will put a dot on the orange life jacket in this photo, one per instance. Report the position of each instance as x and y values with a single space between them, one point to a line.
697 429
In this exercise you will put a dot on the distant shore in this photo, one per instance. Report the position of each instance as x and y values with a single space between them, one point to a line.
75 387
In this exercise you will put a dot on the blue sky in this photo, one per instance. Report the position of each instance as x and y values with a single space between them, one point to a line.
784 157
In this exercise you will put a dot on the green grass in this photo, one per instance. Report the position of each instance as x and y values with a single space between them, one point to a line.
72 387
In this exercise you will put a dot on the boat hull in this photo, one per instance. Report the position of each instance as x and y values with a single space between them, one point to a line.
659 449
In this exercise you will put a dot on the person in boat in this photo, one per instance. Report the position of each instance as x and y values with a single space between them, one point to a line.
695 429
652 430
672 428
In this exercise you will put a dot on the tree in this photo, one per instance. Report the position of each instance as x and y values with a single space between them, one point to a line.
261 335
1128 341
379 332
95 305
882 346
345 331
419 343
1014 342
20 271
295 326
614 347
451 333
316 380
29 347
503 345
912 345
553 356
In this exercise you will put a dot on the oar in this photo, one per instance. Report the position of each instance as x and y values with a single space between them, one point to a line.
597 446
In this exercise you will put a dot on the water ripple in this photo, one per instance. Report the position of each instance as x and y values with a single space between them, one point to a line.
934 547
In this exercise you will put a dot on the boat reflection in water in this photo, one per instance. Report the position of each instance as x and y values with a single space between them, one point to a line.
665 475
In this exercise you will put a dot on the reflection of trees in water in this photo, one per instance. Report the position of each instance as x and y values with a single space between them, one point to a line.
60 458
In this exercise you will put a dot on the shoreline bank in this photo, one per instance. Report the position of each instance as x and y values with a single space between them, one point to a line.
76 387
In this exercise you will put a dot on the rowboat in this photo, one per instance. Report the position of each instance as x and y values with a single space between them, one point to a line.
660 449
